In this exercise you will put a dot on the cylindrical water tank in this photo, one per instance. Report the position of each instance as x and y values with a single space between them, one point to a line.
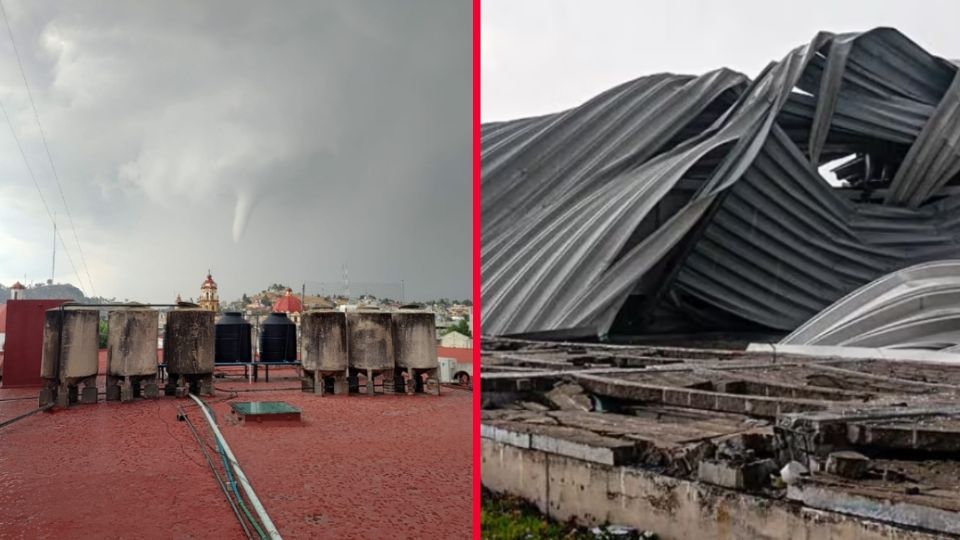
278 339
370 340
132 342
188 341
72 353
324 334
415 339
232 338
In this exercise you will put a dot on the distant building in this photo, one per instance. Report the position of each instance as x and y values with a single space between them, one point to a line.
290 305
456 340
209 297
16 291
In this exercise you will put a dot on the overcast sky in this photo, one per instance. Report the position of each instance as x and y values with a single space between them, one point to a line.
542 56
271 142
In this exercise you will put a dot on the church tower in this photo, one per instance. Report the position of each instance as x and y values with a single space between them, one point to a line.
209 297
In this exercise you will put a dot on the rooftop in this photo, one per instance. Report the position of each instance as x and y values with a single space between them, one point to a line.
353 467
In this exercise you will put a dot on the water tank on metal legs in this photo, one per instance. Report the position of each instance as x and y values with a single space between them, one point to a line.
232 338
278 339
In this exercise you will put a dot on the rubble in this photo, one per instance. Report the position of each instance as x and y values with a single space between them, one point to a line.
848 464
762 423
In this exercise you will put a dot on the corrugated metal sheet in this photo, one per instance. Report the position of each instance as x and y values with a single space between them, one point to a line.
700 196
913 308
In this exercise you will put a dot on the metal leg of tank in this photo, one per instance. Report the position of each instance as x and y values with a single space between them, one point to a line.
113 388
89 393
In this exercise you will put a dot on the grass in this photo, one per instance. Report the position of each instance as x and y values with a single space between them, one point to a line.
511 518
505 517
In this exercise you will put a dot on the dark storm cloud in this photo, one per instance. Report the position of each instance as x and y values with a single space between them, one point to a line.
269 141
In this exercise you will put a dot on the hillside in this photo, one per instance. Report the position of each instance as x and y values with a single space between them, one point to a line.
47 292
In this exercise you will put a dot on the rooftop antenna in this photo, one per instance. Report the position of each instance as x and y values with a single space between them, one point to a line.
346 281
53 266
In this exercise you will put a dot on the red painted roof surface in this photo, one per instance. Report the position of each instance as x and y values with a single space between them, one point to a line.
457 353
18 286
288 304
356 467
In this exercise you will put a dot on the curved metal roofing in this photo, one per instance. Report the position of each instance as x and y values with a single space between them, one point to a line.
916 308
699 198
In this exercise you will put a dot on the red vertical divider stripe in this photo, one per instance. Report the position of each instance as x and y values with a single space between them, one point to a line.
477 322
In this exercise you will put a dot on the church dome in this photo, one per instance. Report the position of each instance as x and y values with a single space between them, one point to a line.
288 304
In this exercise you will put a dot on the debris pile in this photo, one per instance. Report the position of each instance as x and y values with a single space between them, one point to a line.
872 438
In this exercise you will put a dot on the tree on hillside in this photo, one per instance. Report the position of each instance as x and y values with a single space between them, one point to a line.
462 327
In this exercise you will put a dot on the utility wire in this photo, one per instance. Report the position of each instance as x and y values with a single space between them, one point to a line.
39 191
6 423
43 137
206 456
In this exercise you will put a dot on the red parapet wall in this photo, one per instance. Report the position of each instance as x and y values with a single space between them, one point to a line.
23 347
461 355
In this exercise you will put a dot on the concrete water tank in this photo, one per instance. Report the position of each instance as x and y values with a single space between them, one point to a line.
188 351
325 360
370 346
415 339
70 355
415 350
132 353
370 340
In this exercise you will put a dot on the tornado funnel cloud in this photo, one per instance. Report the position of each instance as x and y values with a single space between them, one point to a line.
241 214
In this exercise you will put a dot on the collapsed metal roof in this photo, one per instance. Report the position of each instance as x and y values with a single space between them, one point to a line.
679 203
